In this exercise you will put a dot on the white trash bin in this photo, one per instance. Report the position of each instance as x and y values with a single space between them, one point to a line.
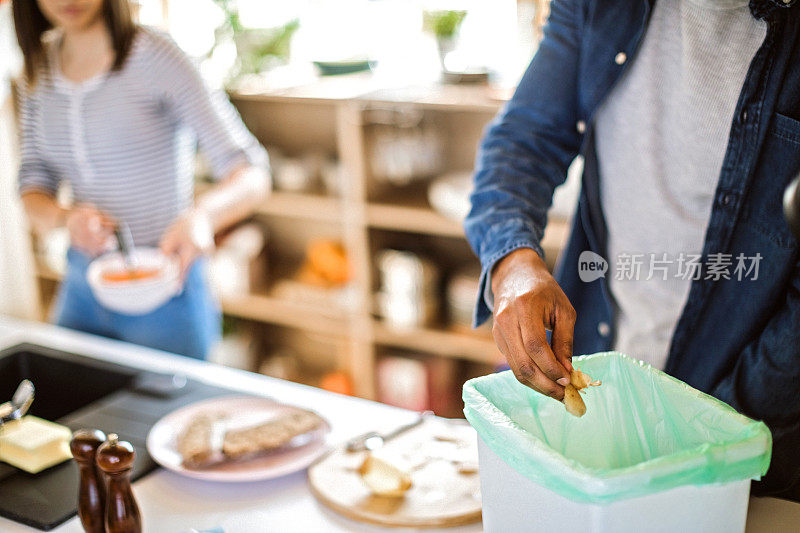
651 454
513 503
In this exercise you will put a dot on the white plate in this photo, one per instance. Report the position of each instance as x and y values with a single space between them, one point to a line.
242 410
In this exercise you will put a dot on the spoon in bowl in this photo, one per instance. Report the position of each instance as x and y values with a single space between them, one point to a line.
125 242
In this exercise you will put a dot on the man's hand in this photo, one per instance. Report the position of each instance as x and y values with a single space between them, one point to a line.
188 238
90 229
527 302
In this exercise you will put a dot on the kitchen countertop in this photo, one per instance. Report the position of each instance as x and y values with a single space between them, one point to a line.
172 504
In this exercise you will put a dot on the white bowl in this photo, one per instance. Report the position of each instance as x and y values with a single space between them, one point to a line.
449 195
135 297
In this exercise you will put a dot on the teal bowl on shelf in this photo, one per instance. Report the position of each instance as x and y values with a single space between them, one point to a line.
348 66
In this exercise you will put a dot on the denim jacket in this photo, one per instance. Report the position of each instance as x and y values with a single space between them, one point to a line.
737 340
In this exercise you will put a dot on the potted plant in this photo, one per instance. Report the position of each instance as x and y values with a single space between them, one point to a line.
444 25
257 49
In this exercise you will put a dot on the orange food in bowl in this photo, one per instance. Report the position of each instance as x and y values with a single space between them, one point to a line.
135 274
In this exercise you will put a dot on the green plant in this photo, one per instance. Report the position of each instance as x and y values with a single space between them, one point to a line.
231 11
258 49
278 43
443 23
261 49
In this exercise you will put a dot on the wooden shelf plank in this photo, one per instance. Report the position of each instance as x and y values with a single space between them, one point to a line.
442 96
304 206
369 91
326 90
412 219
469 346
271 310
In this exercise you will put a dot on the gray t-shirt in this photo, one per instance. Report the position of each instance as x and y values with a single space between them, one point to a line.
661 138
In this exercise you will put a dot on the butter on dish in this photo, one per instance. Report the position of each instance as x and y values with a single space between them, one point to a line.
33 444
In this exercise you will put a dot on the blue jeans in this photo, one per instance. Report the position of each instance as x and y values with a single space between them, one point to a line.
188 324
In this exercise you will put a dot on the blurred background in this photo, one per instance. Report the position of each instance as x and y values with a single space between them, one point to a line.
354 275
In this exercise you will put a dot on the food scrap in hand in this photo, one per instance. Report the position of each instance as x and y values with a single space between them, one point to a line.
572 399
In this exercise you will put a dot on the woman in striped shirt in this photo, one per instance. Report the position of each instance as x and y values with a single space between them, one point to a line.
116 110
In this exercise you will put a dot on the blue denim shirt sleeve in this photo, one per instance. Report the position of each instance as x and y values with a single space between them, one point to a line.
527 150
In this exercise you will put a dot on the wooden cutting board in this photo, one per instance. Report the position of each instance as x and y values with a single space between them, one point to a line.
445 491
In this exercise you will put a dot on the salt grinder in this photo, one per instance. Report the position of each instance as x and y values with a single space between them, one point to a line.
115 458
91 491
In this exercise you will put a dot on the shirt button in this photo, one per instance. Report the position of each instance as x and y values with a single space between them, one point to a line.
727 199
603 329
580 126
620 58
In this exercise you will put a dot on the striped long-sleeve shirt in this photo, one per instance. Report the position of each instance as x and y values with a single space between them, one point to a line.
125 140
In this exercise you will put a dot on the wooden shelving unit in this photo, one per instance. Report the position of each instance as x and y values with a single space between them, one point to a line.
332 117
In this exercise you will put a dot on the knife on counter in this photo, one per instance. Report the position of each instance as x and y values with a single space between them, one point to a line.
373 440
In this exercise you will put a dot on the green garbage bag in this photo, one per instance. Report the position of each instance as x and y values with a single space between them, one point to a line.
643 432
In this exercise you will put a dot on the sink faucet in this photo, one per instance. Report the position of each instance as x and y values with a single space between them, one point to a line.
19 404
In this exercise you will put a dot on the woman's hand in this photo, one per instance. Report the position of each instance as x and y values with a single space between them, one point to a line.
90 229
527 302
188 238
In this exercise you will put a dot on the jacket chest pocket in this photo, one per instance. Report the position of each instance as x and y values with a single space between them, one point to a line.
785 128
779 164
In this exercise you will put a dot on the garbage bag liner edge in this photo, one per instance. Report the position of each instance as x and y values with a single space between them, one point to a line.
644 432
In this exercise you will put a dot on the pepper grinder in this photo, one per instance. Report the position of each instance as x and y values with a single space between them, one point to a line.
115 458
92 490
